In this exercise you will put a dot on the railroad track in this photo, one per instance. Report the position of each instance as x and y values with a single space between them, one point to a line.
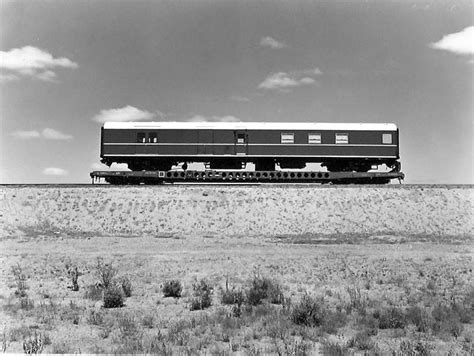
243 185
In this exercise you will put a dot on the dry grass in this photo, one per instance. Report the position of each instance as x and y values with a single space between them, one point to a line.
381 298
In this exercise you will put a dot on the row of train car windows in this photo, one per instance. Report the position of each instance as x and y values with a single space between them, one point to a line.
152 138
286 137
313 138
341 138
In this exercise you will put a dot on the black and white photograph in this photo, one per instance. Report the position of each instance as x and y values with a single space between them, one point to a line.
237 177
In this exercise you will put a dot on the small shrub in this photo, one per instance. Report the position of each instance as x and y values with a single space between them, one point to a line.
5 340
96 317
126 286
420 318
157 345
94 292
333 320
34 345
46 339
454 327
148 321
26 303
232 296
308 311
235 298
414 348
172 288
441 312
275 293
334 349
73 273
127 325
257 291
113 297
465 312
62 347
296 347
228 297
392 318
370 324
105 272
105 332
357 301
447 319
20 333
262 288
361 341
20 281
202 293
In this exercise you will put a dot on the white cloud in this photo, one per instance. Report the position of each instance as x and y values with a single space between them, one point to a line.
26 134
240 99
227 118
119 167
271 43
127 113
32 62
460 42
54 171
49 134
52 134
307 80
113 167
47 76
5 78
283 81
98 166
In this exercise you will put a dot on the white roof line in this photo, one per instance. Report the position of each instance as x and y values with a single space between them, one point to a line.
182 125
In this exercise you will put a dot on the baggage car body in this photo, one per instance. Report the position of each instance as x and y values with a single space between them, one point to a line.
230 145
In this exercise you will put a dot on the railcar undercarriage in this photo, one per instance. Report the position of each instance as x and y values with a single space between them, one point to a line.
261 164
214 176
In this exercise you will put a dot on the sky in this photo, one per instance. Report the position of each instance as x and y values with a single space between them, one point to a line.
68 66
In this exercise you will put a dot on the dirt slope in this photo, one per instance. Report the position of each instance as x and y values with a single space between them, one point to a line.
433 211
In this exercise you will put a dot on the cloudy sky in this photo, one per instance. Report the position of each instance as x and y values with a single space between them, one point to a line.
68 66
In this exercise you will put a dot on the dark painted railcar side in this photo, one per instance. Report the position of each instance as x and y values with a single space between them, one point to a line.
204 145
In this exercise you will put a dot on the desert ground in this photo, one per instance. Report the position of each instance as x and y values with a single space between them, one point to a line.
253 270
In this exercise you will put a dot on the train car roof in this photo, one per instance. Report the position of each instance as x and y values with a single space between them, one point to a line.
193 125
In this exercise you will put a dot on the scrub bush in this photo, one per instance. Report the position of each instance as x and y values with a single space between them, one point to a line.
361 341
308 312
105 272
392 318
20 281
34 345
264 288
126 286
202 293
113 297
172 288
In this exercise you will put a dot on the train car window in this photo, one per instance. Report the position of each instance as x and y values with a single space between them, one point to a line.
141 137
287 137
387 139
152 137
240 138
314 138
342 138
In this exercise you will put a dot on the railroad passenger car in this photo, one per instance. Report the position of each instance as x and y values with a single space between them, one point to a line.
230 145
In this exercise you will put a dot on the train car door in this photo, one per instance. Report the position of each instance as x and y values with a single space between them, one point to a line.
205 141
241 142
140 145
